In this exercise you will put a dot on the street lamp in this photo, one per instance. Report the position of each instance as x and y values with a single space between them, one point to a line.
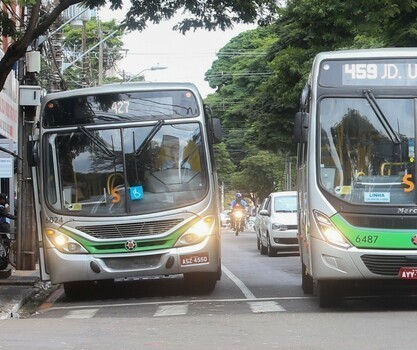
146 69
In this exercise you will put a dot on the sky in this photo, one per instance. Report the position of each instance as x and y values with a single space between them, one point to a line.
187 57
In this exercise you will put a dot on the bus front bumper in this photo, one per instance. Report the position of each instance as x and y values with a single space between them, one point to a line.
332 262
203 257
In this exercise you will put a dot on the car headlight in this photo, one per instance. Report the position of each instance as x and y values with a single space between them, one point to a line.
64 243
197 232
280 227
330 232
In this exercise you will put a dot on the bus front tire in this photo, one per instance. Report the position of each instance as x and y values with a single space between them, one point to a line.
77 290
328 294
307 284
200 282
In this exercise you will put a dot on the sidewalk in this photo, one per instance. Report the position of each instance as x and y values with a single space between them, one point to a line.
16 289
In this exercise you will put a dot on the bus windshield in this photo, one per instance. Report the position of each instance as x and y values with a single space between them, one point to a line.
367 156
125 170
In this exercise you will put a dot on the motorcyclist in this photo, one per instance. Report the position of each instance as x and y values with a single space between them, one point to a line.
238 202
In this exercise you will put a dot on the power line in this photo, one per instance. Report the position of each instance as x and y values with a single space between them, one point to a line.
245 74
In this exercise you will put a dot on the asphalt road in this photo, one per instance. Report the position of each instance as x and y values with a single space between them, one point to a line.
257 304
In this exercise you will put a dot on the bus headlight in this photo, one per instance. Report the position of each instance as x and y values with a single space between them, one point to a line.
330 233
64 243
196 233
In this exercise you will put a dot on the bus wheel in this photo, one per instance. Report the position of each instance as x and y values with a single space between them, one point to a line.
77 290
307 284
200 282
328 294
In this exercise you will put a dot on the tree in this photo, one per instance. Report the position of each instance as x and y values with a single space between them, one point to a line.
224 165
262 174
236 74
306 27
73 48
200 14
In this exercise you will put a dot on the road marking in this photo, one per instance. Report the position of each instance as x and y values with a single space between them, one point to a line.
245 290
171 310
257 306
174 302
84 313
260 307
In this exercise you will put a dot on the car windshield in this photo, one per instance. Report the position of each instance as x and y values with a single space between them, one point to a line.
367 156
131 170
285 204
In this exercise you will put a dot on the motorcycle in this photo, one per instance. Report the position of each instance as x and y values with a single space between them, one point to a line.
7 251
239 215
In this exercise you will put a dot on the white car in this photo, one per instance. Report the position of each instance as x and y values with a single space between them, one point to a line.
257 224
225 218
278 224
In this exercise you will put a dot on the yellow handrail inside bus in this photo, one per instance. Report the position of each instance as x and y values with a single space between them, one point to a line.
110 181
383 165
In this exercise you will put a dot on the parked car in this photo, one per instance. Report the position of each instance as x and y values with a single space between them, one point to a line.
257 224
250 222
278 226
225 218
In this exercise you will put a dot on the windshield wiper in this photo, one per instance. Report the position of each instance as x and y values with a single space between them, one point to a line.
148 138
109 117
381 117
96 140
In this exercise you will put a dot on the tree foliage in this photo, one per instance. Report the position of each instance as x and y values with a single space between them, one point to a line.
197 14
263 108
73 49
261 174
236 74
224 165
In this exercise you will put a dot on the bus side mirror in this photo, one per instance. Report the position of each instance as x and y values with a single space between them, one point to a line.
301 127
216 131
33 153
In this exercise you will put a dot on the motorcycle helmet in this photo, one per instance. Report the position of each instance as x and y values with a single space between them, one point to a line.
238 195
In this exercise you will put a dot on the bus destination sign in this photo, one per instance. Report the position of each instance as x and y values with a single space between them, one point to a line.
393 72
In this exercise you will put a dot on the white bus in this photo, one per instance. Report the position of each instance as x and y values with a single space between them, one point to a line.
356 133
125 186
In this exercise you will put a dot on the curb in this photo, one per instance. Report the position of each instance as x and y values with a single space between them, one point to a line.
10 310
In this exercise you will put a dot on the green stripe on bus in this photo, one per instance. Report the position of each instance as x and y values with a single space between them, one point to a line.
375 238
116 247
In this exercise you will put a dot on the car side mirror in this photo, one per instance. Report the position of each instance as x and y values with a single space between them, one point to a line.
264 212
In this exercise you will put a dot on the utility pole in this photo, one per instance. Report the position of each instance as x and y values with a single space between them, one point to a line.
222 196
84 59
29 100
288 173
100 56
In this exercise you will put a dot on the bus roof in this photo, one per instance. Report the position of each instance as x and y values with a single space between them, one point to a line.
369 53
123 87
